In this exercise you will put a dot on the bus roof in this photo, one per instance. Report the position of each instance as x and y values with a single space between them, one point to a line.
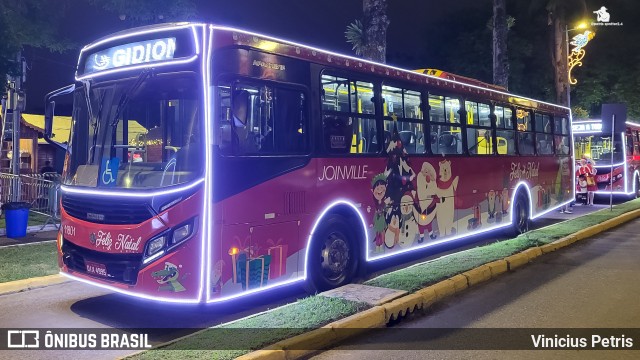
292 49
447 81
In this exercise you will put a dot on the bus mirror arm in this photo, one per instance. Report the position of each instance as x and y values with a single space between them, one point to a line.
49 111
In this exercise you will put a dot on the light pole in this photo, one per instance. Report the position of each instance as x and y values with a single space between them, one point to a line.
575 60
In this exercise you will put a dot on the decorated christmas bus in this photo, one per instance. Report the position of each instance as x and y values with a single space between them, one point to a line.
208 163
616 160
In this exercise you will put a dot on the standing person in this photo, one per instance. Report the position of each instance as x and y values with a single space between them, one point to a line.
47 168
588 169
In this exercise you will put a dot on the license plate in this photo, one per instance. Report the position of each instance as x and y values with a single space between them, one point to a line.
96 268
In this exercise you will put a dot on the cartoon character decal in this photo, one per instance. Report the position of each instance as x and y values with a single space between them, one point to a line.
379 190
168 278
445 209
409 232
491 205
428 199
412 207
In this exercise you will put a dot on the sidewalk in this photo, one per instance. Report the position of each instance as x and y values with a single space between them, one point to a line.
30 238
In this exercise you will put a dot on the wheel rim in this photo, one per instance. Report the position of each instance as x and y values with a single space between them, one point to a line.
335 257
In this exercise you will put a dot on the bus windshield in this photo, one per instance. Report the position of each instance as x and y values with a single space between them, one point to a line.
142 133
598 148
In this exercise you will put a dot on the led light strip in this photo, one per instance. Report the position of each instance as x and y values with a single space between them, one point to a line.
76 190
136 67
203 249
226 28
206 247
146 65
130 293
625 173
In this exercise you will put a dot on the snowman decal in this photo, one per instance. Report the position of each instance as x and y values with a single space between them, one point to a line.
409 232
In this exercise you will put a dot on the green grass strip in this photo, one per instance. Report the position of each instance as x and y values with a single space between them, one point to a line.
418 276
23 262
258 331
34 219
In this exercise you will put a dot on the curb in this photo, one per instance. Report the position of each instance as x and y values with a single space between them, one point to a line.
12 287
379 316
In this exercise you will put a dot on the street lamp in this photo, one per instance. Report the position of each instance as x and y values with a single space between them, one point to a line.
574 57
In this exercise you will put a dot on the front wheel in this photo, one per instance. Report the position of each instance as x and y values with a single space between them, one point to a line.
520 221
332 256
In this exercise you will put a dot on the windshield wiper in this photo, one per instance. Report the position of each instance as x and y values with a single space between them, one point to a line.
124 100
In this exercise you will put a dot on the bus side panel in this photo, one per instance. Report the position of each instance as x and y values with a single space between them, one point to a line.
259 233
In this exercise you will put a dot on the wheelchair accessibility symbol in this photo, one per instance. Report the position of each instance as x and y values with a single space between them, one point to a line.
109 173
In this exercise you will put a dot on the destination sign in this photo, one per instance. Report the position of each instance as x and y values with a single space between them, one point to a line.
587 127
140 52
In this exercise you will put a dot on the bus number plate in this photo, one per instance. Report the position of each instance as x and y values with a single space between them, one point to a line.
96 268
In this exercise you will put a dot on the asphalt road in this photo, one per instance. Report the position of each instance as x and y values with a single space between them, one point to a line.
76 305
591 284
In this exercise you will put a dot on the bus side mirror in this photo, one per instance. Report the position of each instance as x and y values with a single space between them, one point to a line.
48 118
49 111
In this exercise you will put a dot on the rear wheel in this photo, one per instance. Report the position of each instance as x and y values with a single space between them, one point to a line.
332 256
520 222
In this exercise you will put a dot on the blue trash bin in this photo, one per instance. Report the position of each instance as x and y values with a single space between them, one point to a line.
17 217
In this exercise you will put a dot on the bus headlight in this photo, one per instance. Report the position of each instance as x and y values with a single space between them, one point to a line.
182 232
156 245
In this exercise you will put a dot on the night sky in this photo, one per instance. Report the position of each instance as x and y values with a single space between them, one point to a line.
417 32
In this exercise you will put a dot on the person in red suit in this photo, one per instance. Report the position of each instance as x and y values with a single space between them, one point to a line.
588 169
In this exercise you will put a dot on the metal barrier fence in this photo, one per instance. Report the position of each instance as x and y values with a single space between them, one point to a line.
39 190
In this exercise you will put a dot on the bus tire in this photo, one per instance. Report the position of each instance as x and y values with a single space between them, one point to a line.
636 184
333 258
521 217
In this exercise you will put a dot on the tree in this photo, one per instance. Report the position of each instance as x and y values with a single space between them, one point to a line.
500 57
29 23
355 36
144 12
369 37
375 29
557 19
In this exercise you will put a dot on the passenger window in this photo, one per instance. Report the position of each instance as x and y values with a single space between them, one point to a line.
446 139
480 141
335 93
392 101
444 109
362 98
348 108
410 133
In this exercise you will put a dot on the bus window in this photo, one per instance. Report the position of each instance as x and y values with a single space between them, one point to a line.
562 145
402 110
505 134
261 119
392 101
411 134
479 132
561 126
446 139
348 127
412 108
444 109
362 99
544 138
526 142
335 92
